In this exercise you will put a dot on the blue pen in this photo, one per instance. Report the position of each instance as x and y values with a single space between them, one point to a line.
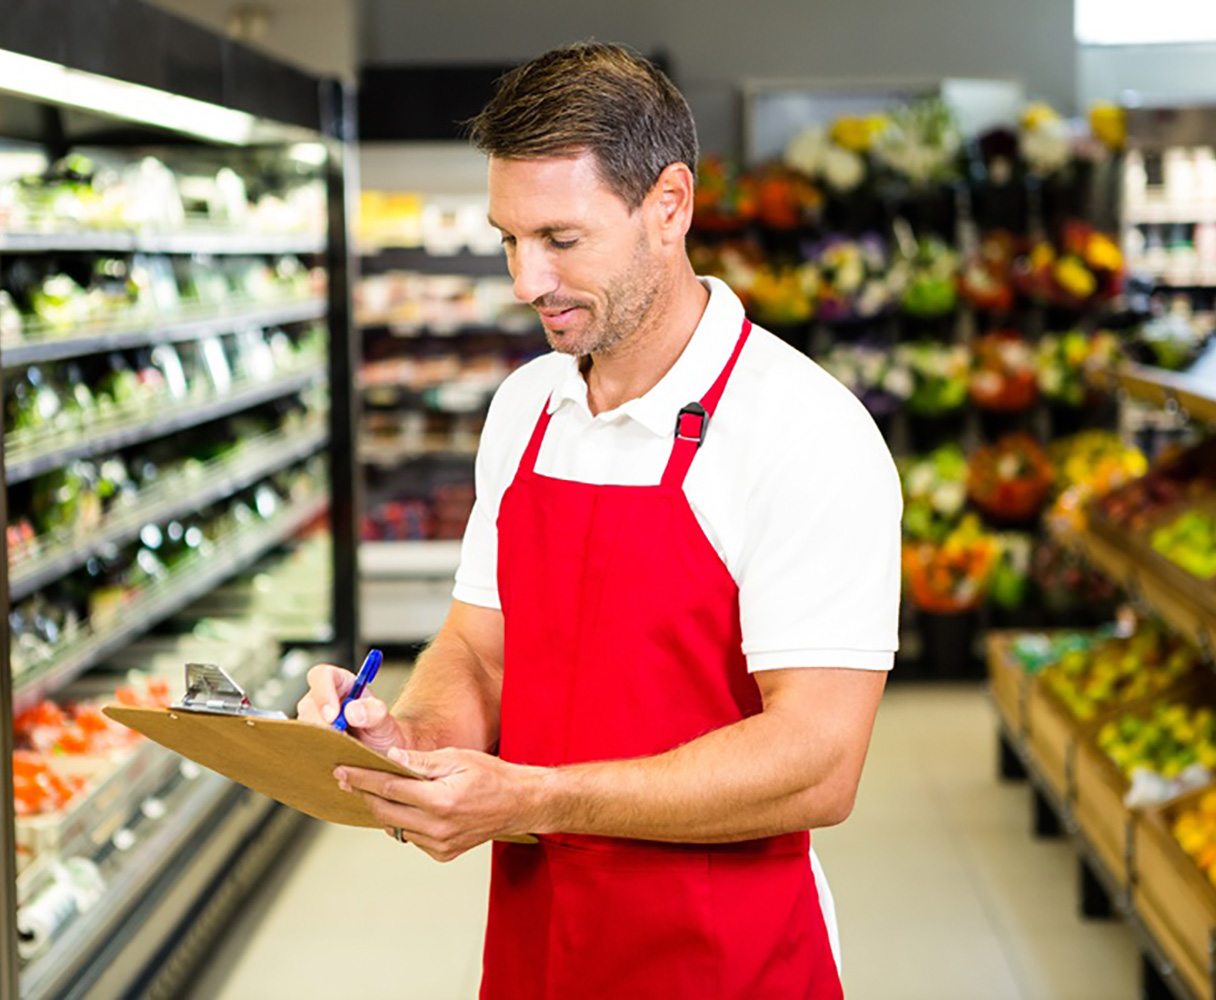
366 675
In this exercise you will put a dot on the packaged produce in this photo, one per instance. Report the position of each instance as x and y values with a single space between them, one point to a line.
1093 678
1163 751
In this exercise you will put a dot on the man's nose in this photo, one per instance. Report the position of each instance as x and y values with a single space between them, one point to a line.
533 274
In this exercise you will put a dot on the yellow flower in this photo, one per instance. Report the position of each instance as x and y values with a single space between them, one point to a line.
854 133
1109 125
1102 252
1074 277
1037 114
1042 256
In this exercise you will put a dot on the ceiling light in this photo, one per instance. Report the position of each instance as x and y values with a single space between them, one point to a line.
48 81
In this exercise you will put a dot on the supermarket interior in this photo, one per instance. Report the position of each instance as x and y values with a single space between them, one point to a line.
252 316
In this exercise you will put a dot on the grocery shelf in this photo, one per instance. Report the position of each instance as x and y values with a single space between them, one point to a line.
410 330
436 398
121 336
393 454
378 259
132 241
1189 610
175 497
414 560
1150 213
231 554
206 820
1188 393
24 463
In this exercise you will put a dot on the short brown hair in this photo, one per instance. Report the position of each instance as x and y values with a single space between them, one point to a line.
591 97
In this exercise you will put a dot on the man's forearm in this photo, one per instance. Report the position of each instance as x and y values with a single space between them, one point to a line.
764 775
449 699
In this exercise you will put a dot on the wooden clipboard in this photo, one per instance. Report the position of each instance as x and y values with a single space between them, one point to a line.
290 761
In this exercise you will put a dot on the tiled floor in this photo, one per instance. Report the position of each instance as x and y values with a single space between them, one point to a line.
941 892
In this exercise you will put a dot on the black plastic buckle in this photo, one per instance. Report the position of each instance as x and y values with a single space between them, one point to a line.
693 410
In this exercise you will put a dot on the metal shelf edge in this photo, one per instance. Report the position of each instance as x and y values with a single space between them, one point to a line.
17 353
21 469
150 611
221 484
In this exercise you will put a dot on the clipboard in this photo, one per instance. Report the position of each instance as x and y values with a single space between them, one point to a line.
288 760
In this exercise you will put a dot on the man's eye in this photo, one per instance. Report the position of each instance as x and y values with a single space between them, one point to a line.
561 244
508 241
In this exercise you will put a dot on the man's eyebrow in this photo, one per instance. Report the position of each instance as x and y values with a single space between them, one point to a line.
553 227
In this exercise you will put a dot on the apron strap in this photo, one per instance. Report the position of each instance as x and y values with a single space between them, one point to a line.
693 421
527 464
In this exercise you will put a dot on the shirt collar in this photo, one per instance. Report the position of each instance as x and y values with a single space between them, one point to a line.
701 361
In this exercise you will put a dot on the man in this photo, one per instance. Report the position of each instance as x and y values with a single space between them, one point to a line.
677 597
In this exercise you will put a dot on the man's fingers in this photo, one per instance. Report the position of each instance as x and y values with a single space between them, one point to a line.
382 784
327 685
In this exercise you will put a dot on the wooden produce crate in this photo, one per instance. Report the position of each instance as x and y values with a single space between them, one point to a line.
1053 734
1098 790
1007 681
1099 786
1174 898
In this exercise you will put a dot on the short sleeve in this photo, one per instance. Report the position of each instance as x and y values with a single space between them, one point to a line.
819 573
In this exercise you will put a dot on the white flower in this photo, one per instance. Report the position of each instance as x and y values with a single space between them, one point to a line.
948 498
806 151
898 382
1047 145
843 169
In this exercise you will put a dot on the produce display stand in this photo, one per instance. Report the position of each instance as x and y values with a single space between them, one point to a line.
1174 898
1119 871
197 842
1188 394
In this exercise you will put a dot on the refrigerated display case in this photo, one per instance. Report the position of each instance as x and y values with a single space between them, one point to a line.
178 371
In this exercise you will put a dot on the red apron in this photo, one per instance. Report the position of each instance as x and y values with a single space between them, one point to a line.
623 640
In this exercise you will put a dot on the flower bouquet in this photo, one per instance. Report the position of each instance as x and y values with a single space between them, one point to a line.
736 262
1063 361
1088 465
953 575
854 281
725 198
985 280
927 276
940 377
873 374
947 582
935 492
919 147
1004 378
837 159
1010 582
785 199
1084 271
783 300
1010 481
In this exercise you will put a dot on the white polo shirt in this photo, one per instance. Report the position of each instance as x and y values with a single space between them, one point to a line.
794 486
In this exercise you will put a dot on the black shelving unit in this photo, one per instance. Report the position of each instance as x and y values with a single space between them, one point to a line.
207 840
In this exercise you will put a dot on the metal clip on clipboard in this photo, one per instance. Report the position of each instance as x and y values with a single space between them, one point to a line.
209 689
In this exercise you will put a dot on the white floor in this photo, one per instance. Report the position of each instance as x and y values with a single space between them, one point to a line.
941 892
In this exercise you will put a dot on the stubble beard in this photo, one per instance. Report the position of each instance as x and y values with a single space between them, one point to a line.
628 298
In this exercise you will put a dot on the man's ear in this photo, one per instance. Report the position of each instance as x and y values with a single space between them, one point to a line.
670 202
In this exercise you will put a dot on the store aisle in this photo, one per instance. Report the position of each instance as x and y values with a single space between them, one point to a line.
941 892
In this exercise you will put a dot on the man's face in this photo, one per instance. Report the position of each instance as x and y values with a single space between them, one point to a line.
575 251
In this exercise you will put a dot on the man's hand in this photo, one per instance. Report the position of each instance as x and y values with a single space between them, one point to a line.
368 719
465 799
